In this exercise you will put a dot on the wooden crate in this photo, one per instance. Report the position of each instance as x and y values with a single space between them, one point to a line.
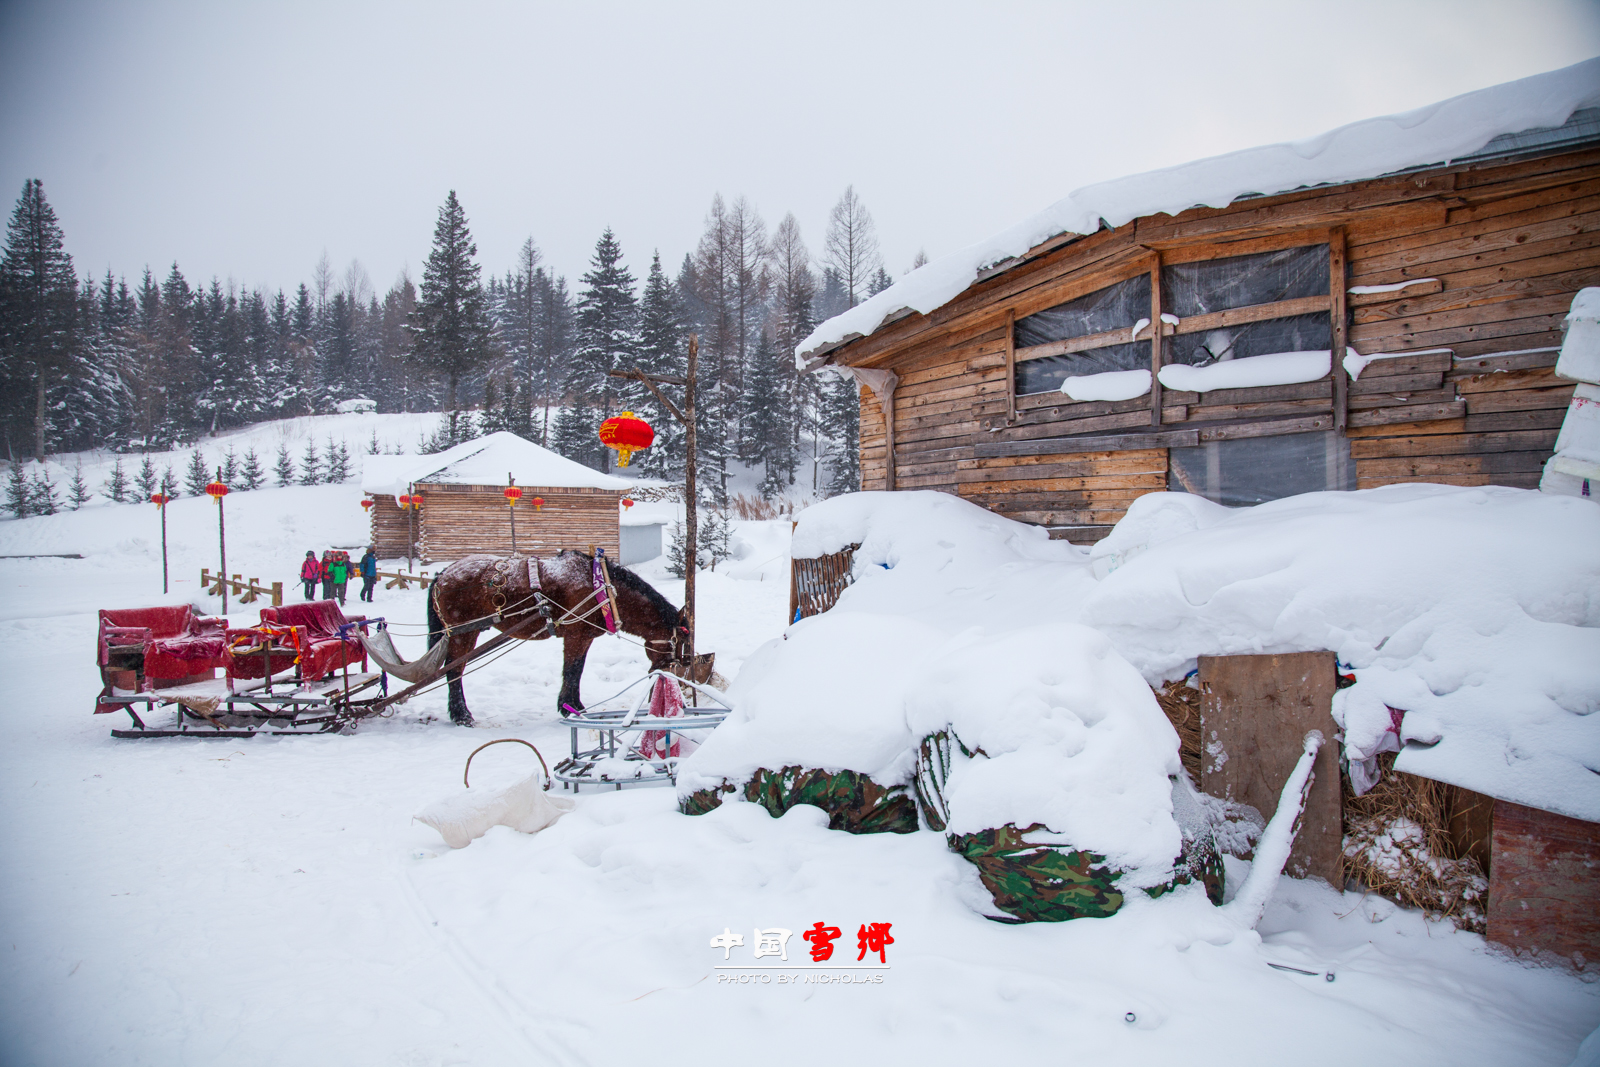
1544 884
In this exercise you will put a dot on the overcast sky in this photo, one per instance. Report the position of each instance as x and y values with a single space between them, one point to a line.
243 140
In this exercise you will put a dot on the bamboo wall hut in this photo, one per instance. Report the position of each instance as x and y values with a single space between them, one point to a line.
464 508
1382 304
1436 256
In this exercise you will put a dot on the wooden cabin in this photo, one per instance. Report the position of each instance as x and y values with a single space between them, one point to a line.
1434 283
464 509
1455 275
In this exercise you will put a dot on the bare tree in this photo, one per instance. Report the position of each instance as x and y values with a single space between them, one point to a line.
850 247
356 286
322 280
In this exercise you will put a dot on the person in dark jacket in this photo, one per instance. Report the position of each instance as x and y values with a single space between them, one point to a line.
327 575
369 574
310 574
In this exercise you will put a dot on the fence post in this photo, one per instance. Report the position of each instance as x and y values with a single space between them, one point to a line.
277 594
205 580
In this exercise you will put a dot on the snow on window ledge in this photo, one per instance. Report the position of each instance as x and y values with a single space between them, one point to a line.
1108 385
1278 368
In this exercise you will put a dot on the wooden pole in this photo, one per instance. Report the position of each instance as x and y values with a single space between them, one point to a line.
222 543
411 524
691 518
511 506
163 546
1157 340
1336 300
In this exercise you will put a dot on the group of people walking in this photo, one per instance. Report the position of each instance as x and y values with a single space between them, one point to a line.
333 571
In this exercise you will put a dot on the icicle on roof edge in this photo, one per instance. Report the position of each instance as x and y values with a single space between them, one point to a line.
1435 134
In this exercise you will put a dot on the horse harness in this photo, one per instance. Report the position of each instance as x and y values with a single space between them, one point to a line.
499 578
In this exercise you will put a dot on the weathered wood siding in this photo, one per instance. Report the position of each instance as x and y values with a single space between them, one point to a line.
1509 243
1544 884
459 520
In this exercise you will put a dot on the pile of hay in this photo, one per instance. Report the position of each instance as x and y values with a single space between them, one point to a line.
1181 703
1397 842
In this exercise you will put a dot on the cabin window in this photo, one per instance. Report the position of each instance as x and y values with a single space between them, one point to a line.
1253 470
1088 335
1189 289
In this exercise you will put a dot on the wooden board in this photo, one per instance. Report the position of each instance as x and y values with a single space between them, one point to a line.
1544 884
1254 714
461 520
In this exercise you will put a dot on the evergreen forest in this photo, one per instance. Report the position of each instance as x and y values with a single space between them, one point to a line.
161 362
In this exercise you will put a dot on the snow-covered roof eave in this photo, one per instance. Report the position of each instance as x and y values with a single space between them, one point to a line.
1432 135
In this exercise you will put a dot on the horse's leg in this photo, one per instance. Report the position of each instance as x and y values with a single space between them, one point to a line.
460 645
575 649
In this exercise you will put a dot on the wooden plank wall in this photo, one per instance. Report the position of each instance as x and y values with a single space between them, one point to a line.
390 532
460 520
1544 884
1509 244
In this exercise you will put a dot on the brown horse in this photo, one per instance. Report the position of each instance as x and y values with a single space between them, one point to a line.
533 599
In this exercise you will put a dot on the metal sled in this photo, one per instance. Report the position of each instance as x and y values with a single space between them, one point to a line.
613 749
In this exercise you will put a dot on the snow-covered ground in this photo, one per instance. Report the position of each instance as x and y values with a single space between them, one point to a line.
270 901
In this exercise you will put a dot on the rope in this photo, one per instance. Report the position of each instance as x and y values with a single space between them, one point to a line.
504 741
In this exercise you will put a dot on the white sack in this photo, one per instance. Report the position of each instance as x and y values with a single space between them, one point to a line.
467 816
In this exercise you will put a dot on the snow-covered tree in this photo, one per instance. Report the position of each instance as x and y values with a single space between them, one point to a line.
196 476
78 492
116 487
251 475
283 469
451 333
310 464
146 481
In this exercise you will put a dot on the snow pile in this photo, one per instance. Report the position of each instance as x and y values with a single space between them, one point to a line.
1580 349
484 461
1279 368
956 621
1433 134
1474 610
1070 736
1108 385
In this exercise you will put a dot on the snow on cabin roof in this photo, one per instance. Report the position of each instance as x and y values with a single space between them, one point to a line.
1450 131
484 461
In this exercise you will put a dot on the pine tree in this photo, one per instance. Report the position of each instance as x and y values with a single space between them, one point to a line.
19 495
492 418
38 315
662 350
338 457
879 282
251 476
78 490
230 468
196 477
451 334
310 464
767 415
608 327
146 481
372 446
44 493
283 469
116 486
716 538
169 483
842 424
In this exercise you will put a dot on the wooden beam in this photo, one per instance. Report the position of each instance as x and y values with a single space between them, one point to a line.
1011 365
1281 309
1062 446
1336 300
1157 339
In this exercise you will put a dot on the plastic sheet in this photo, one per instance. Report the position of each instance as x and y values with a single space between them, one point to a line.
1112 308
1242 281
1253 470
1046 375
1301 333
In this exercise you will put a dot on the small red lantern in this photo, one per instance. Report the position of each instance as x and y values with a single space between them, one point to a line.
366 505
408 502
538 503
512 494
217 490
160 500
627 503
627 433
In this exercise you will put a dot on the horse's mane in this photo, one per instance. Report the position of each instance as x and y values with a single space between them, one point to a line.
626 579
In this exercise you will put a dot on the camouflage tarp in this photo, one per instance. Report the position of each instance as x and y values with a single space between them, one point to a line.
853 801
1048 882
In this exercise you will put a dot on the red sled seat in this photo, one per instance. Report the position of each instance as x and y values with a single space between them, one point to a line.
323 636
159 646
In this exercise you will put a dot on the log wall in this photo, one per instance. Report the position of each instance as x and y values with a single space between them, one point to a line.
460 520
1495 252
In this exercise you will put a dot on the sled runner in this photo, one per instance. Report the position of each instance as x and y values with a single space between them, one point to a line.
639 743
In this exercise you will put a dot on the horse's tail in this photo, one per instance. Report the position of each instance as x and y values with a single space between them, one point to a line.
435 623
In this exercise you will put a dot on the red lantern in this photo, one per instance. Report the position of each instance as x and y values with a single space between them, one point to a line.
216 491
627 433
538 503
512 495
408 502
160 500
366 505
627 503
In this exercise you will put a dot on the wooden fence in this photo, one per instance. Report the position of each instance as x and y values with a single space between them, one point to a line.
402 580
815 584
248 592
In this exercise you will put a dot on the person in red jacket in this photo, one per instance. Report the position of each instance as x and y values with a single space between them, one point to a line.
310 574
